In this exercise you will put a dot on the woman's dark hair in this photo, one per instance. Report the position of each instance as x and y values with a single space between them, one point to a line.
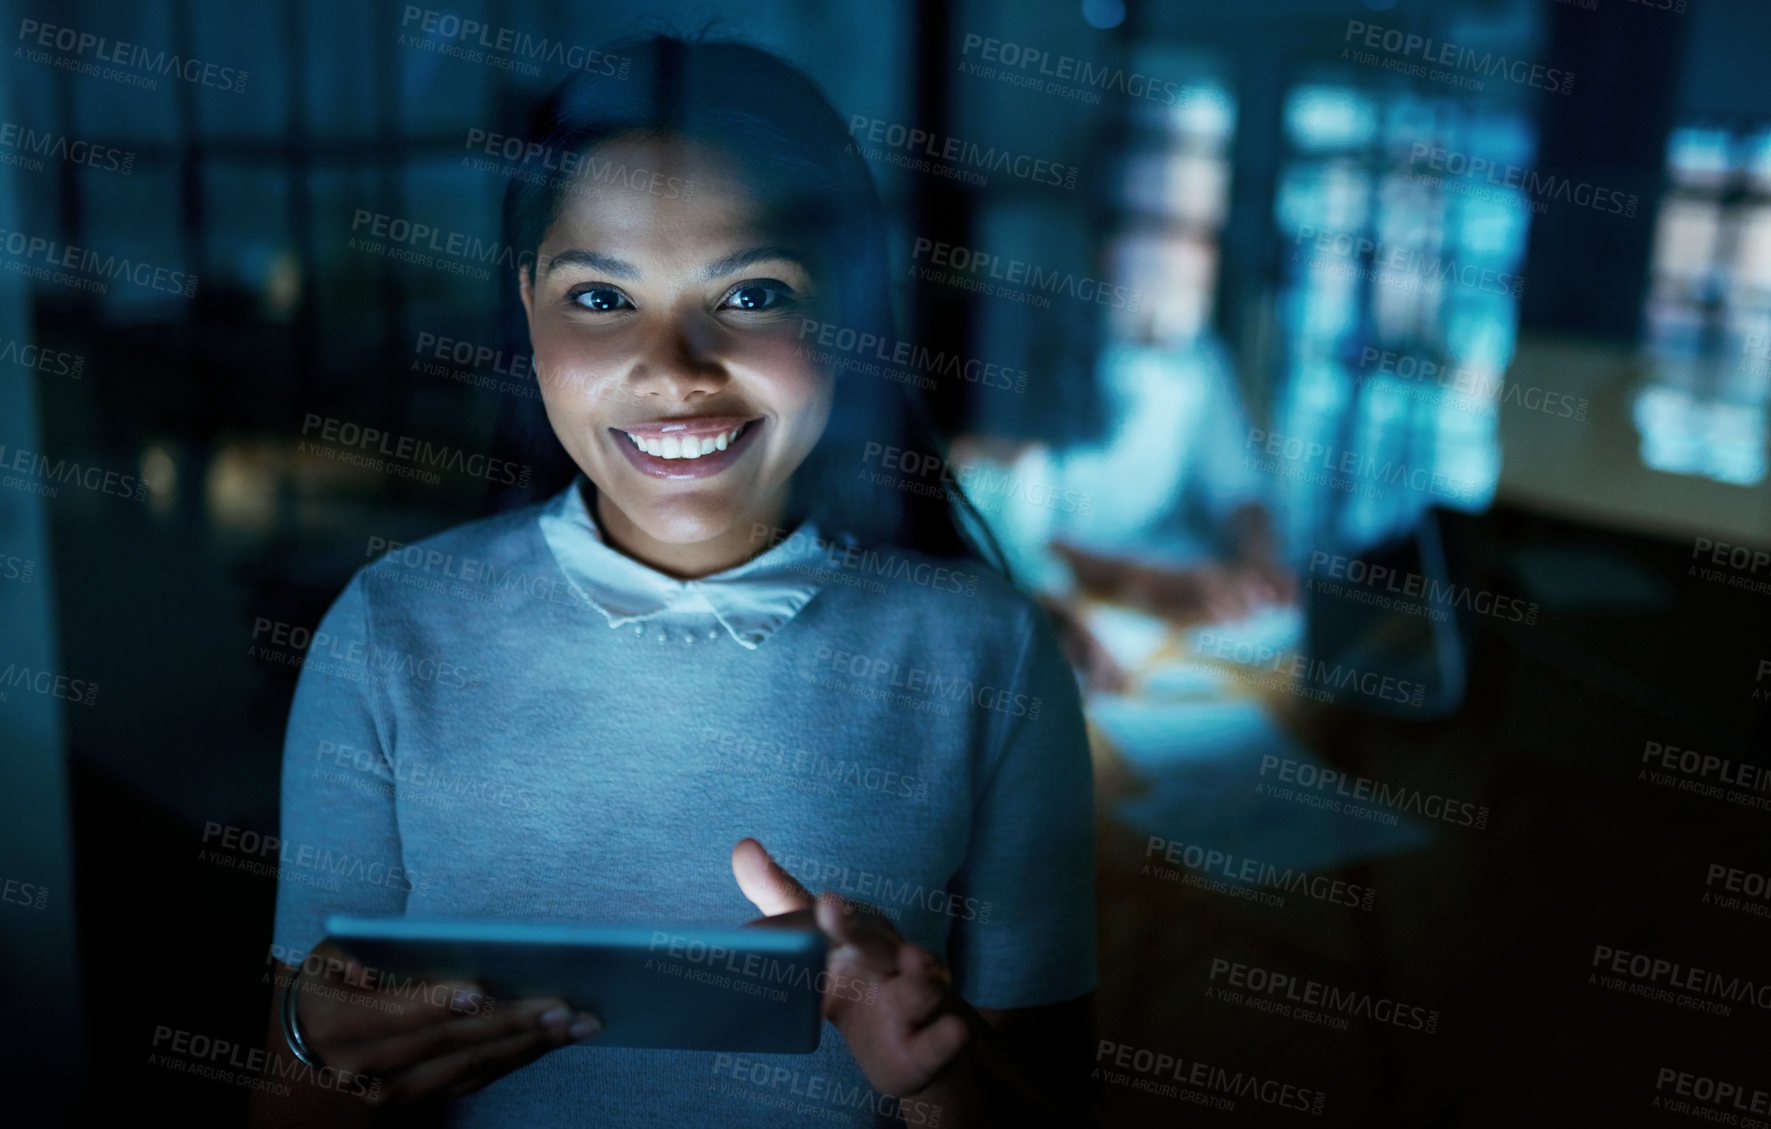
793 146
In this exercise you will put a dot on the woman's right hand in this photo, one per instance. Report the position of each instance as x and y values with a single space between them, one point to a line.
1196 596
418 1042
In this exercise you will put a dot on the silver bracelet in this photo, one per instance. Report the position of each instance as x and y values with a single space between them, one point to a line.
291 1033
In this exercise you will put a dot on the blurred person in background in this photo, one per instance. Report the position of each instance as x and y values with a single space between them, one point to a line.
1169 517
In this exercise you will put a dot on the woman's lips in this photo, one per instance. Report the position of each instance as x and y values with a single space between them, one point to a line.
662 448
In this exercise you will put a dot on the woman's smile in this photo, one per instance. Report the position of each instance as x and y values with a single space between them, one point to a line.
686 448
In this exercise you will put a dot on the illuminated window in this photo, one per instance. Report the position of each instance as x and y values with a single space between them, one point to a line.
1708 315
1400 250
1174 199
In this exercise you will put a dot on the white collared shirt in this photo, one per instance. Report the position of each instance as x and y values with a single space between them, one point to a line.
750 600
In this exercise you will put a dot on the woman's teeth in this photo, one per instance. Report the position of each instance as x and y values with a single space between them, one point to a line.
685 446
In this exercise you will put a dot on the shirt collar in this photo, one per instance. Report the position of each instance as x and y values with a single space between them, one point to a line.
750 601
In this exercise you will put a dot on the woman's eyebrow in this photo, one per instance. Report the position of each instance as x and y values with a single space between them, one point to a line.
737 262
620 268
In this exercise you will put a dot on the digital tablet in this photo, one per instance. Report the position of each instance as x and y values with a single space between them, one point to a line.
756 990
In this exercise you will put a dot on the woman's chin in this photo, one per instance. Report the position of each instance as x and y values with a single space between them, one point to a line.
700 526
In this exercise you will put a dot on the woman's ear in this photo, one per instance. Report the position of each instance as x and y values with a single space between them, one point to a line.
526 288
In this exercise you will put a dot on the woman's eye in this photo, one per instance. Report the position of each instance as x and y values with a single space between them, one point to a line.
602 298
759 296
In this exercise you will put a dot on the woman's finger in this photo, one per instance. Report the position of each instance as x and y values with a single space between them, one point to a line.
768 886
919 992
916 960
865 938
395 1055
470 1068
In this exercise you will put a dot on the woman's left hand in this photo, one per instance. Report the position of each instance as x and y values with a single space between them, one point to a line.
892 1001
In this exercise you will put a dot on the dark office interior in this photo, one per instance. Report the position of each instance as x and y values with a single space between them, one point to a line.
1605 464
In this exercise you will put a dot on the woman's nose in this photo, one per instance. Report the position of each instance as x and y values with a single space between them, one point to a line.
680 360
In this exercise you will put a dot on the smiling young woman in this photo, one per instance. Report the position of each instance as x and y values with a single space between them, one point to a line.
680 667
662 323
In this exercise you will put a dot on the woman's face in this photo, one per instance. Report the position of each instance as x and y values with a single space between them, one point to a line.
666 328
